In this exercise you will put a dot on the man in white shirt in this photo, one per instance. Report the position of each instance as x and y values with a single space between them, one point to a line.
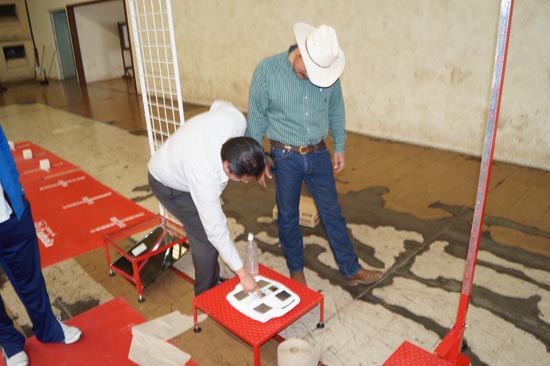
188 174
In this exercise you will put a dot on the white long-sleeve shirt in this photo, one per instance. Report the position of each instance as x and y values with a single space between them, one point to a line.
190 161
5 209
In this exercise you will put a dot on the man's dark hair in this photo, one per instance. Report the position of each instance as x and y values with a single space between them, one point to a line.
245 156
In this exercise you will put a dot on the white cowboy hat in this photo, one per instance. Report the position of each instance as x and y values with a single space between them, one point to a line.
323 58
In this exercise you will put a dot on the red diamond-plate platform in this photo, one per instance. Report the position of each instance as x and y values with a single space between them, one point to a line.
410 355
106 338
214 303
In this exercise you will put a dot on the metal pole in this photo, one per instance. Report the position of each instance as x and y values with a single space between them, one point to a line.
449 348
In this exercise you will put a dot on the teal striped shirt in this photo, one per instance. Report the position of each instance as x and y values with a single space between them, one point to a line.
293 111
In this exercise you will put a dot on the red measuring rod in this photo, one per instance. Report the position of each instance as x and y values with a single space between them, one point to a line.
447 353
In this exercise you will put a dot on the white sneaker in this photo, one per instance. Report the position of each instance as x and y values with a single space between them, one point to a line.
72 334
18 359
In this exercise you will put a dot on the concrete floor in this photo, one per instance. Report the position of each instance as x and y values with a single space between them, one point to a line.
409 212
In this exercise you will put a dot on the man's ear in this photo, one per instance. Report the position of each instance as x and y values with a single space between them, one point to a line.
226 167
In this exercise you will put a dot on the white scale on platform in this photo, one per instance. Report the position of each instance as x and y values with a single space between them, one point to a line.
276 300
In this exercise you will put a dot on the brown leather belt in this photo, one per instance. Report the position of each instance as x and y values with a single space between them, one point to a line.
304 149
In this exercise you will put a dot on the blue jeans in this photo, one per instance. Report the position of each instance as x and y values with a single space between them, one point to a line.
20 260
315 169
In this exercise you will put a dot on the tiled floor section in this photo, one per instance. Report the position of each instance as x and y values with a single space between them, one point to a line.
409 212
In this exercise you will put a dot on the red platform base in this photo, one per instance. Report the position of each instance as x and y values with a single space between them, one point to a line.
410 355
106 338
71 210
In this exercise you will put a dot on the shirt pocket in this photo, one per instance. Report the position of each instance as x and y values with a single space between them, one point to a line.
319 111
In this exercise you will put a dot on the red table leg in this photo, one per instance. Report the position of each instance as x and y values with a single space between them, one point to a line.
196 329
322 309
256 355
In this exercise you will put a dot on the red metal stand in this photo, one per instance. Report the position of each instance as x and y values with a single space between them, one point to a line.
410 355
450 346
131 267
214 303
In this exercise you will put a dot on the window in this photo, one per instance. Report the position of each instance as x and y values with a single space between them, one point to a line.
14 52
8 13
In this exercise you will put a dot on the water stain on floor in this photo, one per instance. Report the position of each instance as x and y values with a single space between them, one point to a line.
429 253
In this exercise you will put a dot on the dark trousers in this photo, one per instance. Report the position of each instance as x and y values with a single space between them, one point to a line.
20 260
204 254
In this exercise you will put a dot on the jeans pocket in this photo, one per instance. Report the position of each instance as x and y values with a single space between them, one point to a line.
278 154
271 162
322 150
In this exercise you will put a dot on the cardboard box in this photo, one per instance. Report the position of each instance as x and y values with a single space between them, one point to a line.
309 216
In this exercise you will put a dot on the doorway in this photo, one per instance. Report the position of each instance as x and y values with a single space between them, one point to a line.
95 39
64 45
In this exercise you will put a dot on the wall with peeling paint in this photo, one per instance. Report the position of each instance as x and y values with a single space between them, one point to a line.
417 71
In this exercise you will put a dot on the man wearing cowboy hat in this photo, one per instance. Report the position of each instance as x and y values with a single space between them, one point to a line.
295 99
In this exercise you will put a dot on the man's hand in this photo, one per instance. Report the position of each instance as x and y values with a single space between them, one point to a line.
247 282
339 161
267 172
